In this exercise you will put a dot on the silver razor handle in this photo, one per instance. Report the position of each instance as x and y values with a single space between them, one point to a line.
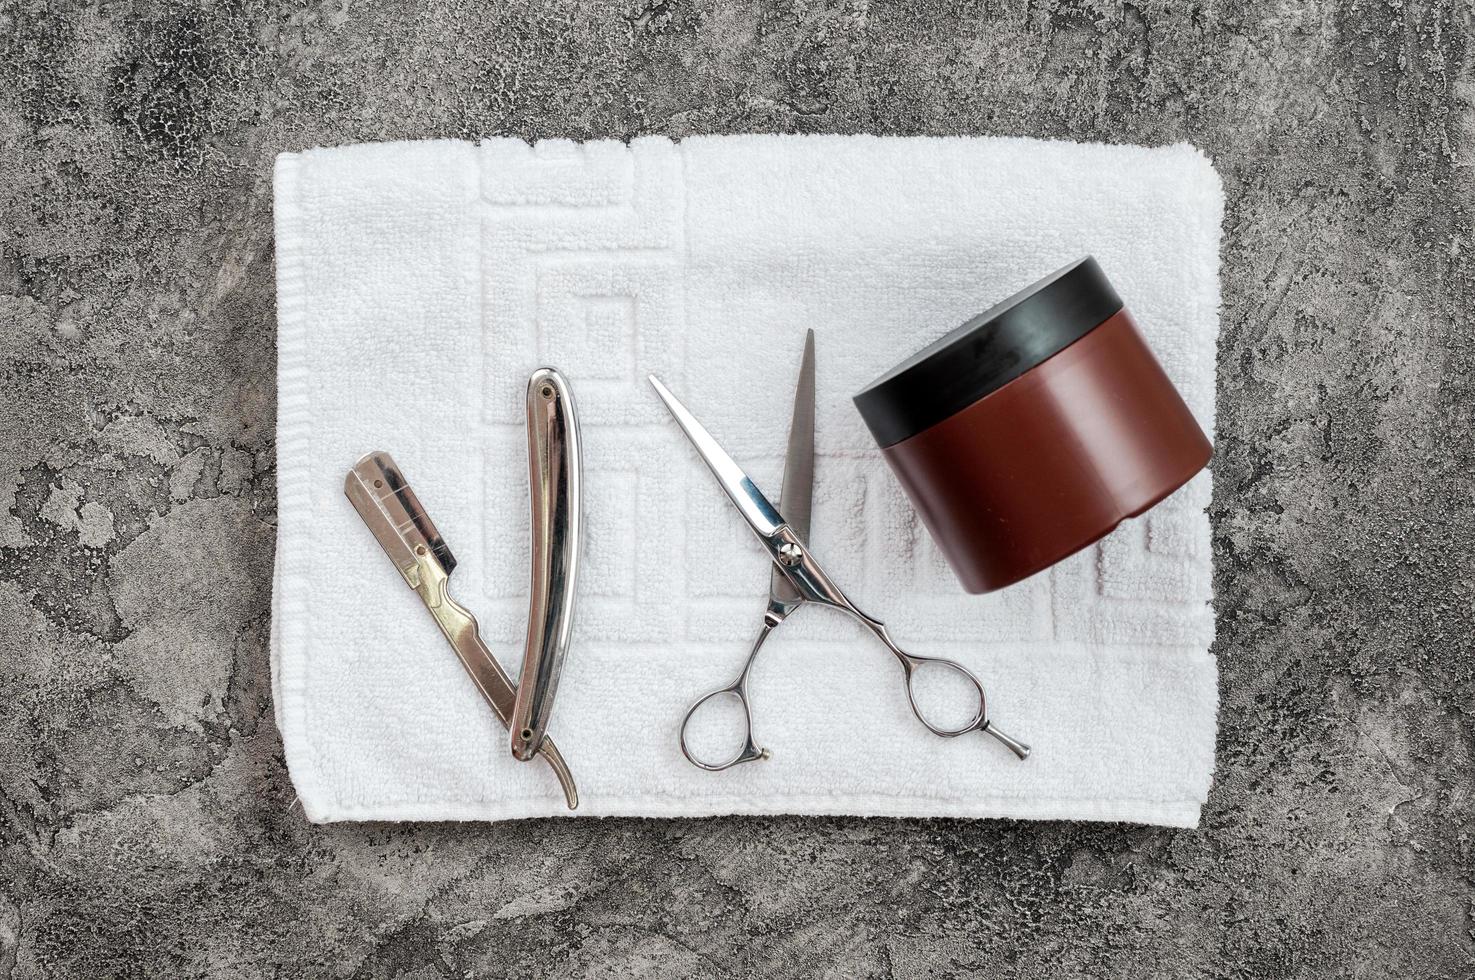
555 463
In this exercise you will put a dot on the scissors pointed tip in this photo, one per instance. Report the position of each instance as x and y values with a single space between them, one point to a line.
661 390
798 488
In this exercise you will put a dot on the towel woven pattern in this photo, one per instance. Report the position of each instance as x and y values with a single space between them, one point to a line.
420 283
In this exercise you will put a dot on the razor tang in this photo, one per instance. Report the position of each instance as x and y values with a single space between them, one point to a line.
555 464
378 491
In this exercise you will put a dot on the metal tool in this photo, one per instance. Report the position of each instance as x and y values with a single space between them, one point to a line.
796 577
378 491
555 462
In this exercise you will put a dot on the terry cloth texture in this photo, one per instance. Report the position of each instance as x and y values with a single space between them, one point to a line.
419 284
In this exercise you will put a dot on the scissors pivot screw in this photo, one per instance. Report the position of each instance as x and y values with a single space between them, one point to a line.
789 554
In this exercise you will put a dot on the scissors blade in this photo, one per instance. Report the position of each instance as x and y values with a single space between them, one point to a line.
745 495
797 497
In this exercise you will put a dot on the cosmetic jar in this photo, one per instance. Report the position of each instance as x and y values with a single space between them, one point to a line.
1034 429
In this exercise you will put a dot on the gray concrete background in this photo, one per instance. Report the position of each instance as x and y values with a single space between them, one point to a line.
146 823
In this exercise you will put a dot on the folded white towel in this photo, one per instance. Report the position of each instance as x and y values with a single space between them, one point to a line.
420 283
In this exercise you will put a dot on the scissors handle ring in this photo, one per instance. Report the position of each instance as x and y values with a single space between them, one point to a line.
911 663
750 751
978 723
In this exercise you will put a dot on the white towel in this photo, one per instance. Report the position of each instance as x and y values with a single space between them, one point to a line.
420 283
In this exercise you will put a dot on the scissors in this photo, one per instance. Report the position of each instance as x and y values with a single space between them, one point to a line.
796 577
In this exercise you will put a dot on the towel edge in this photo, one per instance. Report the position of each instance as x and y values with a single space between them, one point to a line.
1184 814
294 424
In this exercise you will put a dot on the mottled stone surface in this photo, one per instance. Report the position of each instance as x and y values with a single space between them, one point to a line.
146 821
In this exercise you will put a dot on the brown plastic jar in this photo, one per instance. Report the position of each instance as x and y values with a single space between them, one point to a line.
1034 429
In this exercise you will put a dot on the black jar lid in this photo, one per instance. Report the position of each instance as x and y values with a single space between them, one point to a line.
988 352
